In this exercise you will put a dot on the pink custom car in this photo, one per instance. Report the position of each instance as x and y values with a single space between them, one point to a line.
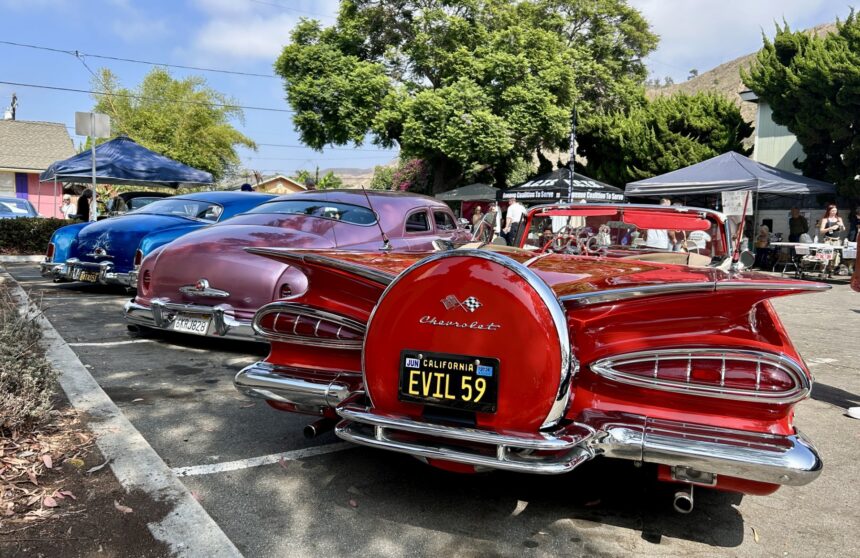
206 284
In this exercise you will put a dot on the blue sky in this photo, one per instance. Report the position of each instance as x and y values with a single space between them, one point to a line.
247 35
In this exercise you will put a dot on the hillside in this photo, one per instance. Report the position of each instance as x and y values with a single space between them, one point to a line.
725 79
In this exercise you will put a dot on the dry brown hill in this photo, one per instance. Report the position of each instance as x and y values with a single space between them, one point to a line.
725 79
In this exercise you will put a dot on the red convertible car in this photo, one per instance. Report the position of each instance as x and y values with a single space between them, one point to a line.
535 361
204 283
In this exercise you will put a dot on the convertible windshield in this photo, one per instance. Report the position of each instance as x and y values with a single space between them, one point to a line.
190 209
325 209
595 230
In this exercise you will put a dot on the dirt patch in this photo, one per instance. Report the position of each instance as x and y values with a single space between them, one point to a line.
80 508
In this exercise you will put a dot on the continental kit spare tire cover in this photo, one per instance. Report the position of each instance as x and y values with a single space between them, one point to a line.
470 333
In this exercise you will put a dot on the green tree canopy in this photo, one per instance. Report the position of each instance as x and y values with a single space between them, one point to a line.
812 84
180 118
666 134
462 84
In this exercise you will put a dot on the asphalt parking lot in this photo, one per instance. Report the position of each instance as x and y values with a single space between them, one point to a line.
324 496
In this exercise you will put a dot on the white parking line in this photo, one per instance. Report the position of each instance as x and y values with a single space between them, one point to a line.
262 460
111 343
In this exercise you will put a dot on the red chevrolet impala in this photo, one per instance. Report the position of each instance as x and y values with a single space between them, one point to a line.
206 284
534 361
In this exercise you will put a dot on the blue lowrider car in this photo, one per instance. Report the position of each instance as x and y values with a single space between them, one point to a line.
109 251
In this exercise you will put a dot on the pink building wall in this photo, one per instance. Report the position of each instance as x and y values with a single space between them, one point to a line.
43 196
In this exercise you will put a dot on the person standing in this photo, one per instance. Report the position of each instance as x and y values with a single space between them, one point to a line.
477 216
83 209
854 223
831 223
660 238
762 248
797 225
66 208
515 214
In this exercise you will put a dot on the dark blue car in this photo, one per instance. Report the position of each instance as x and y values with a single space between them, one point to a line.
109 251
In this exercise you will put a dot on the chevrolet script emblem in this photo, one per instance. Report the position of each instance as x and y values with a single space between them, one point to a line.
469 305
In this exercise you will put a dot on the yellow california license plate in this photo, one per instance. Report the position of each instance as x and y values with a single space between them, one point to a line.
89 276
464 382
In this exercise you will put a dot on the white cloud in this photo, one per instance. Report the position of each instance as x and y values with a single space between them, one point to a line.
703 34
132 24
252 30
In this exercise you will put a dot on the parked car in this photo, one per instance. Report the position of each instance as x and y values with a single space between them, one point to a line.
509 358
12 208
108 251
206 284
124 202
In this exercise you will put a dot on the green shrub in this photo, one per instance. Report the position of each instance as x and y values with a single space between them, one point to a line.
27 381
27 236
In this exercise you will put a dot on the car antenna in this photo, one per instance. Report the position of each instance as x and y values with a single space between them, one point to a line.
386 244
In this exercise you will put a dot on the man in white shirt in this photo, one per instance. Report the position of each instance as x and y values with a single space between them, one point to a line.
659 238
515 214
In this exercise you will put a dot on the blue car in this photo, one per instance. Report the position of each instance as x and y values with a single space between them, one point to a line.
109 251
11 208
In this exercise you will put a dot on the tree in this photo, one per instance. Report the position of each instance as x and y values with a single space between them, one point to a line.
693 73
382 178
459 85
812 84
662 135
181 118
330 181
312 181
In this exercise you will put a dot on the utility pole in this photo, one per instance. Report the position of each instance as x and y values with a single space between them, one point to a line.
92 125
572 156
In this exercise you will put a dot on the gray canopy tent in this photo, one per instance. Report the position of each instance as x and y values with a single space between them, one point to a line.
472 192
726 173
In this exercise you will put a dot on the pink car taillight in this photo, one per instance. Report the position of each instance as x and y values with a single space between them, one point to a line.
138 257
49 255
146 280
731 374
285 321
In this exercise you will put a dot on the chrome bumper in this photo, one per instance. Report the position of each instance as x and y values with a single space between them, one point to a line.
71 269
161 315
769 458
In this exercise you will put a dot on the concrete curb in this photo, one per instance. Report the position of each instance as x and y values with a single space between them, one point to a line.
188 530
21 259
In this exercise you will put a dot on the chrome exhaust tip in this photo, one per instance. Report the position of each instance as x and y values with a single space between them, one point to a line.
683 500
320 426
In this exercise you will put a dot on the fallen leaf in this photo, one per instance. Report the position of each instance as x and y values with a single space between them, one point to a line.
32 476
120 507
69 494
353 504
97 467
248 405
136 400
283 462
75 462
49 502
46 459
755 534
196 496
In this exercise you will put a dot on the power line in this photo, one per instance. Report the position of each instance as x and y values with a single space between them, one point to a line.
142 97
79 54
320 156
327 148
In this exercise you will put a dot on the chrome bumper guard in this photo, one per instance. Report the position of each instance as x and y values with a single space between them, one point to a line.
161 315
71 269
275 383
768 458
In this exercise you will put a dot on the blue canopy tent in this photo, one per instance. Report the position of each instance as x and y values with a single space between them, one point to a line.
725 173
122 161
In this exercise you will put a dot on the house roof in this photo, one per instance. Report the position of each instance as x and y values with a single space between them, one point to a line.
33 146
266 180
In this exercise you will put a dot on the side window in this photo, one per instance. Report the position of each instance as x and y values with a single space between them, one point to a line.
417 222
444 221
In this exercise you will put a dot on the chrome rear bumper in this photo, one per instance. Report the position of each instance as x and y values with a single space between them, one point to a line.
755 456
161 315
71 270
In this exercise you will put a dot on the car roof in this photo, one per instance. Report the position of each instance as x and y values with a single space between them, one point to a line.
360 197
226 197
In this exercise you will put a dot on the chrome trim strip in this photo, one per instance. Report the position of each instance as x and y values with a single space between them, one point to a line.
771 286
300 311
569 363
287 254
65 271
802 384
263 380
612 295
191 290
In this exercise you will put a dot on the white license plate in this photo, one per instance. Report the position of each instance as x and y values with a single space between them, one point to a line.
186 324
89 276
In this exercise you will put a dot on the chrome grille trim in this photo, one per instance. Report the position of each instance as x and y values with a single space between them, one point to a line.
303 312
607 368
